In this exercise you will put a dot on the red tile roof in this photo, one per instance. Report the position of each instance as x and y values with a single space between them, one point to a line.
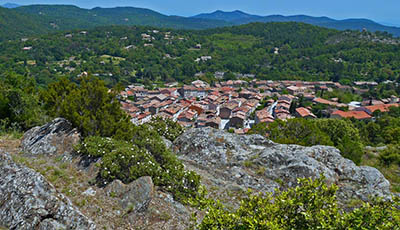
240 115
189 114
360 115
143 115
324 101
264 114
303 112
226 89
383 108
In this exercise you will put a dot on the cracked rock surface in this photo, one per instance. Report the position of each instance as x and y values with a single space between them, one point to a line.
28 201
56 137
252 161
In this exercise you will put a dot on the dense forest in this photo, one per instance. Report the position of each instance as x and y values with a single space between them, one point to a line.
148 55
28 20
238 18
42 19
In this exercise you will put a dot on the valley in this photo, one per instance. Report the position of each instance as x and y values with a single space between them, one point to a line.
127 118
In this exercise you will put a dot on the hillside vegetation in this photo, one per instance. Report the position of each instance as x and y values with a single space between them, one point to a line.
149 55
239 17
41 19
16 25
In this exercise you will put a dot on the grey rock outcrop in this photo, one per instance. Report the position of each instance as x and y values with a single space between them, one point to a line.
28 201
135 196
252 161
56 137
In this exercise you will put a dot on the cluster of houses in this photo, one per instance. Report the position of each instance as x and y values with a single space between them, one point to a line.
195 105
239 104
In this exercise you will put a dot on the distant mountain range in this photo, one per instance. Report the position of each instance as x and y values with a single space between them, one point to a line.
72 17
10 5
239 17
38 19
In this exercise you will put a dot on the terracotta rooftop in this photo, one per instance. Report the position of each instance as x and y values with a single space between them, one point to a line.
229 105
172 110
189 114
359 115
244 109
284 111
267 120
226 89
239 114
324 101
264 114
303 112
383 108
143 115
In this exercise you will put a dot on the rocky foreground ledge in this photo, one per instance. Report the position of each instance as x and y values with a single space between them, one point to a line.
228 163
252 161
28 201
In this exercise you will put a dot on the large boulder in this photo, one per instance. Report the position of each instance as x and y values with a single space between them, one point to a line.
28 201
252 161
56 137
134 197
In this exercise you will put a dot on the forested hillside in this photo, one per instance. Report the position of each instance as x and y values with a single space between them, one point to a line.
72 17
144 54
239 18
23 21
40 19
16 25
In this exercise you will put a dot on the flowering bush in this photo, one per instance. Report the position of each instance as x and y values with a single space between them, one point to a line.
128 163
146 156
167 128
95 146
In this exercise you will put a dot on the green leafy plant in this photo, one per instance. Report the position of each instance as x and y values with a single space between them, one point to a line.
166 128
391 155
146 156
310 205
90 106
19 105
342 134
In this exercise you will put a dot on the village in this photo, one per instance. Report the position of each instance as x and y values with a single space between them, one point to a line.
237 105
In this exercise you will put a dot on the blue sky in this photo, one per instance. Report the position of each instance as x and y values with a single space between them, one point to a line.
383 11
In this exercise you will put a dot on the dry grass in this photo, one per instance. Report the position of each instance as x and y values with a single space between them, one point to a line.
10 144
103 209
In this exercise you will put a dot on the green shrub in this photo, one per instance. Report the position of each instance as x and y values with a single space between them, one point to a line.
311 205
95 146
20 109
344 135
166 128
128 163
294 131
334 132
89 106
146 156
391 155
